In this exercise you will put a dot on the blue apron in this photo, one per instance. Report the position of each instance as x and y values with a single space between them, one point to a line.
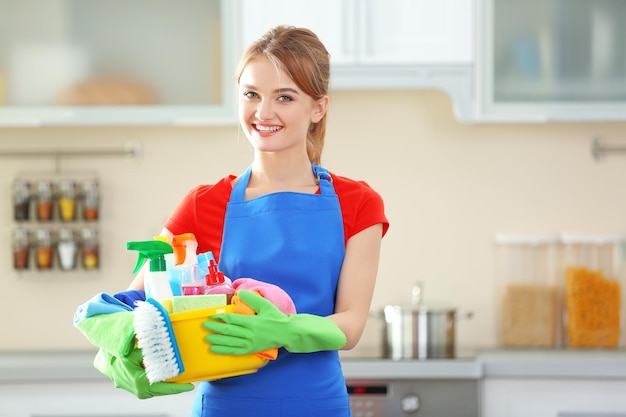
296 241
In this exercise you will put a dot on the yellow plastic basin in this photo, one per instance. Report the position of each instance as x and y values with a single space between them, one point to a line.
199 362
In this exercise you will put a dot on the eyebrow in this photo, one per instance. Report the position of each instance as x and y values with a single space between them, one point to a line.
276 91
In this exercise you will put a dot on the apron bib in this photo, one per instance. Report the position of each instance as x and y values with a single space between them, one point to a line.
295 241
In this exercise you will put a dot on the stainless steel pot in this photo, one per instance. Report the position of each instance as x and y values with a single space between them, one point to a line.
417 332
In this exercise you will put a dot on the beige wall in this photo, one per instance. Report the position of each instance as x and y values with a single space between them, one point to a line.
448 189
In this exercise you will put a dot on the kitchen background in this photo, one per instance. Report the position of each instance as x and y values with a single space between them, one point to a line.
448 189
449 186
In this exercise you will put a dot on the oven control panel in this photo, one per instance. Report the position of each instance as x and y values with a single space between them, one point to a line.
367 400
382 398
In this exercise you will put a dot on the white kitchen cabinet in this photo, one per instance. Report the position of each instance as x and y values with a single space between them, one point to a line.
554 397
552 60
382 44
373 32
176 56
86 399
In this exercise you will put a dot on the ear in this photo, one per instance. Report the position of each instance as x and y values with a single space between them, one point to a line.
319 109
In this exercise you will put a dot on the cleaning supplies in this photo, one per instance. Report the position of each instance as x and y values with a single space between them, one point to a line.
156 281
186 261
173 273
156 339
203 262
216 282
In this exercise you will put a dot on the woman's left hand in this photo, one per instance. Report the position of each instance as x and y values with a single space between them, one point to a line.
238 334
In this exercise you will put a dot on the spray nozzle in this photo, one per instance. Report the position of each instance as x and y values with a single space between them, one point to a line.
185 246
214 276
154 250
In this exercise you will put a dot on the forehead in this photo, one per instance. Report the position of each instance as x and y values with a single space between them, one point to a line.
261 73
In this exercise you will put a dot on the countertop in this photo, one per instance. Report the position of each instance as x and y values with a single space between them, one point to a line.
77 365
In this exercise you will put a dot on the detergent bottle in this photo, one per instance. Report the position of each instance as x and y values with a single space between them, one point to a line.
156 281
186 261
217 283
203 262
173 274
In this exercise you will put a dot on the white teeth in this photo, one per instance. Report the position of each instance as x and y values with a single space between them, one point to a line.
268 128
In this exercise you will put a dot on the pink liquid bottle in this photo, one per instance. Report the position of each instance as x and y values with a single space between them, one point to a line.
217 283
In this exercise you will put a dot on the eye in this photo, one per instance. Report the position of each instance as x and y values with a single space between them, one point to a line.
250 94
285 99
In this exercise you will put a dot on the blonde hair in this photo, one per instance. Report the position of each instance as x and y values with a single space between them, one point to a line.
304 58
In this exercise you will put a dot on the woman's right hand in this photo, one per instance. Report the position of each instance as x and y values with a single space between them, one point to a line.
128 373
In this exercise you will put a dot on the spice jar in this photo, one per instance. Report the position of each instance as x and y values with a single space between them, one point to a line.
67 249
44 201
67 200
21 248
44 248
89 248
90 199
21 200
527 274
593 274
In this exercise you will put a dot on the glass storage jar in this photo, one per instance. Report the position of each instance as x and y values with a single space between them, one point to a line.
21 248
44 200
593 276
89 248
21 200
91 199
526 270
44 249
67 200
67 249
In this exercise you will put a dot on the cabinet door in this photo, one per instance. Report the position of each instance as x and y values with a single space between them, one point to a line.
87 399
552 60
115 62
416 31
554 398
332 20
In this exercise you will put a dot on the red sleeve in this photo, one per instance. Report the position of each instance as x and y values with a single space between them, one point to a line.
361 206
201 212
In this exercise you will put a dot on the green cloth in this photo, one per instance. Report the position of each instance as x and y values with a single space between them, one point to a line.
127 373
238 334
113 333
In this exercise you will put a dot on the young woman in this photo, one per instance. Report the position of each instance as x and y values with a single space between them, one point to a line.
291 223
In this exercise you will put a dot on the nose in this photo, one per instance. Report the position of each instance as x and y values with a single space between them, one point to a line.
264 110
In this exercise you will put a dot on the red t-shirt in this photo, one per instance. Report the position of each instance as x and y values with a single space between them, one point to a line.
202 211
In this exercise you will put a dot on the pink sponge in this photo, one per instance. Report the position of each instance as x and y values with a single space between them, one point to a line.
271 292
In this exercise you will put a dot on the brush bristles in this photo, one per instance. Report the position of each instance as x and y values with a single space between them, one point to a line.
154 340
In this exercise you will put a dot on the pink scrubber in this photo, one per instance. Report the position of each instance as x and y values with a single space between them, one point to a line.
271 292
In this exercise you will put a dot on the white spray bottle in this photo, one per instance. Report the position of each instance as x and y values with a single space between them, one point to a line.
156 281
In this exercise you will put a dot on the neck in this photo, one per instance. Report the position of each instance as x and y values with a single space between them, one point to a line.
276 174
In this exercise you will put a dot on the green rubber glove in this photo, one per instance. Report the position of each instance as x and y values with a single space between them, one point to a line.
239 334
127 373
113 333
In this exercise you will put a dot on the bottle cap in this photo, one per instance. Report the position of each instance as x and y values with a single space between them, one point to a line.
214 277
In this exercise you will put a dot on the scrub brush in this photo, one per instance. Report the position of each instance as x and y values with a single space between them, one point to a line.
156 339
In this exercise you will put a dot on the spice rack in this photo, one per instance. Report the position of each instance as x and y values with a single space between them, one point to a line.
56 219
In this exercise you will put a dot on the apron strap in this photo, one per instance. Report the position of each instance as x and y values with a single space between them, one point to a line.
324 180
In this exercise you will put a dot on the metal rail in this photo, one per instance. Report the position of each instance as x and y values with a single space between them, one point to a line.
131 150
599 149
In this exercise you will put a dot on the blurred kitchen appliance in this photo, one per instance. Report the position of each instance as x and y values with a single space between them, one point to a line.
419 397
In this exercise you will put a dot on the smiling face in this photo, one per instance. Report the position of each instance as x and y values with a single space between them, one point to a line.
274 113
